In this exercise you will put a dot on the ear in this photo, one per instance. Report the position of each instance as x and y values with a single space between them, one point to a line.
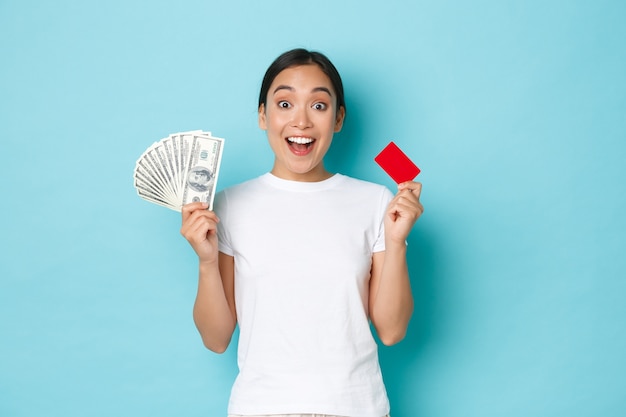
262 120
341 114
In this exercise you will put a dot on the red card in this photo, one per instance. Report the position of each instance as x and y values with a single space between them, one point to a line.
397 164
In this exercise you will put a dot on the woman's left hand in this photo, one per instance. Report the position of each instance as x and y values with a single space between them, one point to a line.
403 211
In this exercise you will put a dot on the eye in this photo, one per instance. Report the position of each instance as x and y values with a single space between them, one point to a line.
320 106
283 104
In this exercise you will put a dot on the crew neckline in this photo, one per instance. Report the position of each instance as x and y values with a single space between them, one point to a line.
302 186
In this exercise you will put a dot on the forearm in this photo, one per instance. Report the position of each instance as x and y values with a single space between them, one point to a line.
392 307
212 314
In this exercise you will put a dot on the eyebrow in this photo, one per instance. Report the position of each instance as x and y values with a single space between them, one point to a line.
315 90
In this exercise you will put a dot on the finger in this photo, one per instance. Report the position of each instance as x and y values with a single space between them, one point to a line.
417 190
406 205
406 184
195 218
201 228
407 197
198 229
406 209
187 209
410 185
194 212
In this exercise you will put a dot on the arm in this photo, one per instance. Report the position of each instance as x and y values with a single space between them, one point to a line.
214 309
390 298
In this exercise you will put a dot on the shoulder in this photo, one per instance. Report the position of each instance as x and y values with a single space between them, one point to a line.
240 196
363 187
252 185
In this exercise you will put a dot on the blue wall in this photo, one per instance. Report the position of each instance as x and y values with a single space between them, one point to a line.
515 111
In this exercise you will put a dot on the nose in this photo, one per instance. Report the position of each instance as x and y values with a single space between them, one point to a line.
301 118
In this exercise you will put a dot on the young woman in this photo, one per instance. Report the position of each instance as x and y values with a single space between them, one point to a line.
302 260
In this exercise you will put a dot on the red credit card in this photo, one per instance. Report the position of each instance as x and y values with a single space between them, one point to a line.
397 164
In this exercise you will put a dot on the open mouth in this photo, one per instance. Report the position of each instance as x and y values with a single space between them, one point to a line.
300 144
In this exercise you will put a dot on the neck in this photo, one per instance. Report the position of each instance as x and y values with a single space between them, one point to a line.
316 175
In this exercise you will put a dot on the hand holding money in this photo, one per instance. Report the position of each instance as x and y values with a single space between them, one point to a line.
180 169
200 229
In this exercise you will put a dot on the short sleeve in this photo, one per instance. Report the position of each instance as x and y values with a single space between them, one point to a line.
385 198
223 238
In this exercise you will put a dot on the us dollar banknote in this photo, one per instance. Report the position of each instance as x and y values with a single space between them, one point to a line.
180 169
203 166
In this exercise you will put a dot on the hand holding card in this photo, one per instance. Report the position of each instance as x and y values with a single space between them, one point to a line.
395 163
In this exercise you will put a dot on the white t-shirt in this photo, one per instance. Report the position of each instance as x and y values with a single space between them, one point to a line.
303 253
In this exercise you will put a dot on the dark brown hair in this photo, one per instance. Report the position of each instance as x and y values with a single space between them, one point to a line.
296 57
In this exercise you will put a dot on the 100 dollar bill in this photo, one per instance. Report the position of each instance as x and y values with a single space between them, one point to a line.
203 165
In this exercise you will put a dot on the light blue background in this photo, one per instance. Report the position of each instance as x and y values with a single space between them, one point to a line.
515 111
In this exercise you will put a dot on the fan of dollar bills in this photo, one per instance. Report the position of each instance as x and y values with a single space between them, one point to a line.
180 169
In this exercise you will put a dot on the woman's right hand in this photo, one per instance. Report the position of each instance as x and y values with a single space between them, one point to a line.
200 229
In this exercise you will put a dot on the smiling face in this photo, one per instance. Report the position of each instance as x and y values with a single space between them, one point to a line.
300 118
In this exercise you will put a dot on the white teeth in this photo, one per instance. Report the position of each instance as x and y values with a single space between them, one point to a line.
300 140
